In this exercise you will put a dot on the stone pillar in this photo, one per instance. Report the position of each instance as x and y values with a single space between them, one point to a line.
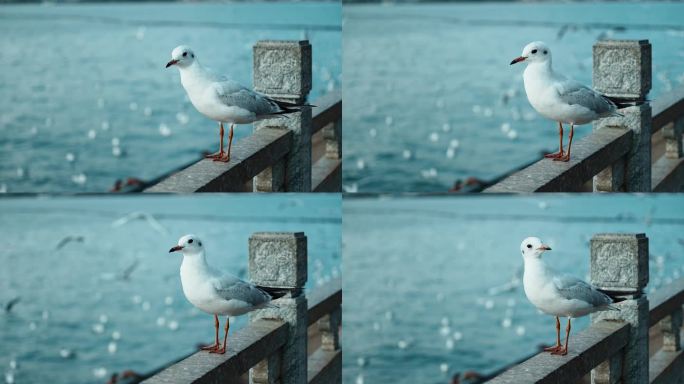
332 133
672 133
622 70
282 71
279 260
619 265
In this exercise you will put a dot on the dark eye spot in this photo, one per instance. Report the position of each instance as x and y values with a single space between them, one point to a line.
193 55
545 52
534 51
529 245
190 241
185 54
199 243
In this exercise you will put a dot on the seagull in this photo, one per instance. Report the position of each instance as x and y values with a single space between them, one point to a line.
558 98
216 293
556 294
222 99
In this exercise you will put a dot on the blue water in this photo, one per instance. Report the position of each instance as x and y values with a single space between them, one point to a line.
85 98
424 276
75 302
424 85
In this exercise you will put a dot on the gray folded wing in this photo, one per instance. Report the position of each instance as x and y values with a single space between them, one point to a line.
231 93
232 288
572 288
574 93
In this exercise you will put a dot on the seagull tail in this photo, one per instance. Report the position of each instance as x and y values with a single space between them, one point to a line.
287 107
275 293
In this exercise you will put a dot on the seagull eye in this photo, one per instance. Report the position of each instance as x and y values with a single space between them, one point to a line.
190 241
529 245
545 52
534 51
199 243
185 54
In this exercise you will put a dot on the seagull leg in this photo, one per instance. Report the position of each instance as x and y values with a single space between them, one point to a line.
566 158
226 158
558 346
216 345
558 154
564 351
222 350
220 153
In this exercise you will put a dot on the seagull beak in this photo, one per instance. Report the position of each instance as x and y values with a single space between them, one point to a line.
518 59
174 62
175 249
544 247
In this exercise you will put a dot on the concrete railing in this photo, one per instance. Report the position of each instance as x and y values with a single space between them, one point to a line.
615 348
617 154
273 347
278 155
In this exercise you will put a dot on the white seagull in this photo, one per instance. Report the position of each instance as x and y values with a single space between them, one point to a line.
558 98
217 293
222 99
556 294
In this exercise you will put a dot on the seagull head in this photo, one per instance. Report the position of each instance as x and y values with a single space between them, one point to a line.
532 247
189 245
181 56
534 52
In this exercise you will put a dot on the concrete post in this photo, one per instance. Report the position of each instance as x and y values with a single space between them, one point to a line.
282 71
332 133
280 260
329 327
672 133
670 326
622 70
619 264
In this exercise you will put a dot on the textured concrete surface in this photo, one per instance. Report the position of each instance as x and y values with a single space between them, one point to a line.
622 68
672 133
638 160
635 313
278 259
282 70
619 262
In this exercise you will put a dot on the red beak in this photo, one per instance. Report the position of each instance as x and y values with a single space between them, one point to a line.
518 59
175 249
170 63
544 247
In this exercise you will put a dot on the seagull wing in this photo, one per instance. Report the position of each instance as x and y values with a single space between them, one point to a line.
572 288
230 287
231 93
574 93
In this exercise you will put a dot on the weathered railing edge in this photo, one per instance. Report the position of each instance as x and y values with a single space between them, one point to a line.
326 175
254 343
665 300
664 366
607 145
593 345
323 300
328 109
667 108
249 157
324 366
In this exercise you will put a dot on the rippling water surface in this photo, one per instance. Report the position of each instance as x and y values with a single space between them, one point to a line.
85 98
78 320
430 284
430 97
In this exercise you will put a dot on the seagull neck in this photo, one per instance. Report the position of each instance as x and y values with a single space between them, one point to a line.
534 265
540 68
195 261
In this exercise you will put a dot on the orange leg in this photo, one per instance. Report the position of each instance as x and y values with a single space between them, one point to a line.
567 155
226 158
212 348
564 351
220 153
558 154
222 350
558 346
